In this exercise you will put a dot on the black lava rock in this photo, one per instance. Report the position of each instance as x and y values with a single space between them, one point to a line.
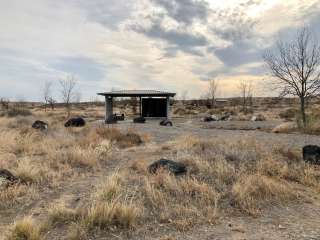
75 122
174 167
311 154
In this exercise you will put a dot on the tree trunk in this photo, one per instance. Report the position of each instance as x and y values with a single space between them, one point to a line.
303 112
213 102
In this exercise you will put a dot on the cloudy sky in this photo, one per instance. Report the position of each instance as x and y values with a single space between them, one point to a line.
174 45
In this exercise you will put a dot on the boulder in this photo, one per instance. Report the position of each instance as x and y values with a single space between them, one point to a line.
8 176
259 117
139 120
7 179
225 117
40 125
285 127
311 154
75 122
214 118
208 119
166 122
173 167
211 118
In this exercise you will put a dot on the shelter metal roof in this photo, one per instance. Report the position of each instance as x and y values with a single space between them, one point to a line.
137 93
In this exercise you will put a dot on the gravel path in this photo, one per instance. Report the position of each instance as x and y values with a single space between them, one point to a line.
220 130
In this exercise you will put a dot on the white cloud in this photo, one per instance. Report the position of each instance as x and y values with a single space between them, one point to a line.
222 39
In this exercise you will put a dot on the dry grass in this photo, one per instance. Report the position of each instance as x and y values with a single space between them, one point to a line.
244 173
48 159
112 205
25 229
76 232
110 188
108 208
112 214
59 214
182 202
250 192
122 140
222 177
17 194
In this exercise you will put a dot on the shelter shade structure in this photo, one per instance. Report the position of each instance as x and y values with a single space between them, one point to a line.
152 104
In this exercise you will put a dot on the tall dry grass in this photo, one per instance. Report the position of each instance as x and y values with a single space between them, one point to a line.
246 173
47 159
25 228
111 206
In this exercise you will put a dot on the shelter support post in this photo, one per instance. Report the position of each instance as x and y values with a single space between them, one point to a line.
109 107
168 107
140 106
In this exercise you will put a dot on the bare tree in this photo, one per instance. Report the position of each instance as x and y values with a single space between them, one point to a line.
212 91
134 104
184 95
68 91
47 94
246 91
296 68
4 102
51 102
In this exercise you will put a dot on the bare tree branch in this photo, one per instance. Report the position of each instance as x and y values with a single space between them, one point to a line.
296 68
246 92
68 91
212 91
47 94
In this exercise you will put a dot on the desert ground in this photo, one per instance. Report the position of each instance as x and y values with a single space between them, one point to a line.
244 180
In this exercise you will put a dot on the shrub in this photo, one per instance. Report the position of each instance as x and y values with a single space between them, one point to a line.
25 229
250 192
313 124
14 112
78 157
105 215
180 111
123 140
29 173
76 232
59 214
20 122
12 195
288 114
109 189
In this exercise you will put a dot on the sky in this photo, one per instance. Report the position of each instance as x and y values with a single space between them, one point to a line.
172 45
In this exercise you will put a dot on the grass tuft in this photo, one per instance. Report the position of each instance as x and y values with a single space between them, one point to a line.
251 192
25 229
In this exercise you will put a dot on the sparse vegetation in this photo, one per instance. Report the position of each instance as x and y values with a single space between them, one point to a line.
288 114
224 177
14 112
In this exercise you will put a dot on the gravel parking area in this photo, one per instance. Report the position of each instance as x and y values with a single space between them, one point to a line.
224 130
